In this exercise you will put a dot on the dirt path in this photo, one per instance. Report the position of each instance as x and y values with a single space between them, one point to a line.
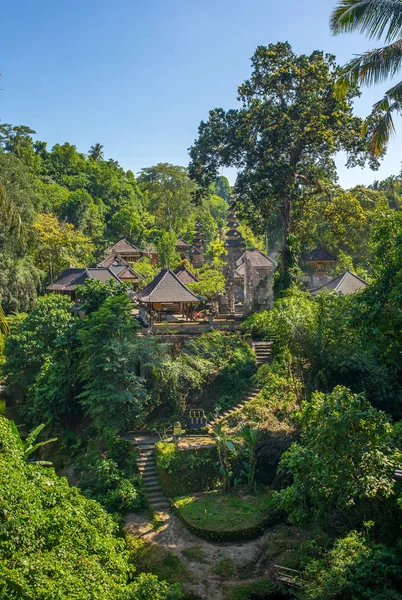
176 538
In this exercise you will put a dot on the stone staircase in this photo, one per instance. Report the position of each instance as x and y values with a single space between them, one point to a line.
145 445
262 351
251 394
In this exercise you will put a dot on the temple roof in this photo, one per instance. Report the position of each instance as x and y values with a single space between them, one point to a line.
185 275
318 254
166 287
72 277
124 247
257 259
182 244
125 272
112 259
346 283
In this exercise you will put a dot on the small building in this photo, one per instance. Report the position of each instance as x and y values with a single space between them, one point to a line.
167 295
185 275
346 283
253 275
263 263
130 253
67 282
320 260
183 248
122 269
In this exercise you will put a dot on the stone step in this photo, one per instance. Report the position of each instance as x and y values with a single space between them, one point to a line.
154 487
147 469
144 447
160 506
156 497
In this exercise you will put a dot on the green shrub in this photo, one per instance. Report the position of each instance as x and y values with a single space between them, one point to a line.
110 476
184 472
55 543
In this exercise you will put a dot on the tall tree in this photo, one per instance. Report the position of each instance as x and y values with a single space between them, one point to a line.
283 138
96 152
377 19
169 195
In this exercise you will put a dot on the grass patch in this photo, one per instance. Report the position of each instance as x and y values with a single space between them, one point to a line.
195 553
221 516
254 590
151 558
291 546
225 567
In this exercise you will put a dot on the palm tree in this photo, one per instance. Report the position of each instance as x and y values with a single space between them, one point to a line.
378 19
96 152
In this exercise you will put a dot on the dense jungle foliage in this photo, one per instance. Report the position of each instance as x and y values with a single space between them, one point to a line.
324 432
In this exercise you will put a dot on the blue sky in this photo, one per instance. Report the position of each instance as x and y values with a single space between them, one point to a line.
139 76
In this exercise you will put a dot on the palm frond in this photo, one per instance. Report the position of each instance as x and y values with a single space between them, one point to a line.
375 18
372 67
384 127
395 93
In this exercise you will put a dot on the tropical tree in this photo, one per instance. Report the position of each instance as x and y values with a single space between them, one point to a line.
250 438
344 457
113 394
96 152
225 448
283 138
377 19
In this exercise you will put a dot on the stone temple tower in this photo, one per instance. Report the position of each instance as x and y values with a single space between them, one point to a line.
235 246
197 253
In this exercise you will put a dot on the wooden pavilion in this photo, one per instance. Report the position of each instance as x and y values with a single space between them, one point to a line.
320 261
167 295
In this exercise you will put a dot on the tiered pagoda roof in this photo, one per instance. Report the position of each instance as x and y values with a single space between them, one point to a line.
234 240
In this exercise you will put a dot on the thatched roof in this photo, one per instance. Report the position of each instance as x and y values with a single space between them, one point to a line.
164 288
346 283
185 275
71 277
318 255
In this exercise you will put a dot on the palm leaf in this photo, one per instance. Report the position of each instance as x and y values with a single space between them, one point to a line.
34 434
31 449
375 18
384 128
14 430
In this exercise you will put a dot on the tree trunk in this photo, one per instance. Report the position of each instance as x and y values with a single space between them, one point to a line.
285 215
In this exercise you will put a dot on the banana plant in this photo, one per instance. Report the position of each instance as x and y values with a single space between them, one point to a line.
250 438
28 445
224 447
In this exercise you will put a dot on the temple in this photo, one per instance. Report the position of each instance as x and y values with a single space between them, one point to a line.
67 282
129 253
166 296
